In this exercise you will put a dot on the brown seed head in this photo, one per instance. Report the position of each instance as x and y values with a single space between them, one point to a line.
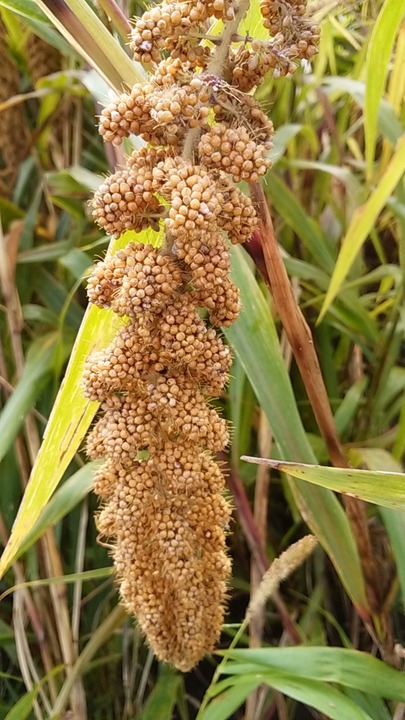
233 151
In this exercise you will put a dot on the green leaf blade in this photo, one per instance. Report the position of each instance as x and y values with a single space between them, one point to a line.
378 58
264 365
375 486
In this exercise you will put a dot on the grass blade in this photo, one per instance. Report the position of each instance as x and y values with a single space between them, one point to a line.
70 418
221 707
264 365
314 693
160 703
378 58
394 520
345 667
381 488
362 223
70 494
38 367
82 28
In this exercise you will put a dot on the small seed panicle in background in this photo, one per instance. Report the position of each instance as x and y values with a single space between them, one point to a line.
163 506
14 136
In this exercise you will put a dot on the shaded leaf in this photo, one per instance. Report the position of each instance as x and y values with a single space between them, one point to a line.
160 703
37 369
222 706
264 365
345 667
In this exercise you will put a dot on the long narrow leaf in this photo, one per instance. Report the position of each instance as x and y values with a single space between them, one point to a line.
378 58
38 22
70 418
62 502
160 703
221 707
313 693
37 369
264 365
87 34
349 668
363 222
382 488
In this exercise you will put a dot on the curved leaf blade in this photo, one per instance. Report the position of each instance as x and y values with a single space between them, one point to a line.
348 668
37 369
378 57
363 221
78 24
264 365
71 416
375 486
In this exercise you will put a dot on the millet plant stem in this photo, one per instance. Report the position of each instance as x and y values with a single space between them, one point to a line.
301 341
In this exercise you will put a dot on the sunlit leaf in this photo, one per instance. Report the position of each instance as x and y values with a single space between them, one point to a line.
71 416
345 667
70 494
382 488
363 222
377 66
77 22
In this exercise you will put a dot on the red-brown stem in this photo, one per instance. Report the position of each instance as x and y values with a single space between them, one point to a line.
302 344
253 539
260 507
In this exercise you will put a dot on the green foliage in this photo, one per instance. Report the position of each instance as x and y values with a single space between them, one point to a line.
337 197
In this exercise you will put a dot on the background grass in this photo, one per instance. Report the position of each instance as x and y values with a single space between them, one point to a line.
337 199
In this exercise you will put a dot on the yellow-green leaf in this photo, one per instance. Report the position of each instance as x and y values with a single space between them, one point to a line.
378 57
86 33
71 416
382 488
363 221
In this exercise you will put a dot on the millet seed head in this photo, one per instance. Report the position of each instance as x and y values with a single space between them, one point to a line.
136 279
128 114
238 216
167 408
222 303
162 25
235 152
125 202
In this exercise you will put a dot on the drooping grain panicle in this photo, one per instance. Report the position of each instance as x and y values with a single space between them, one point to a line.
163 506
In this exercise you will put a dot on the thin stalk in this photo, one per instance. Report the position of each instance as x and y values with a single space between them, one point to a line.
254 702
58 593
79 566
302 344
36 624
253 539
112 623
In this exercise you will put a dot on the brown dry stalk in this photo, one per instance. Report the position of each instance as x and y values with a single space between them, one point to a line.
302 344
255 701
49 550
253 539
